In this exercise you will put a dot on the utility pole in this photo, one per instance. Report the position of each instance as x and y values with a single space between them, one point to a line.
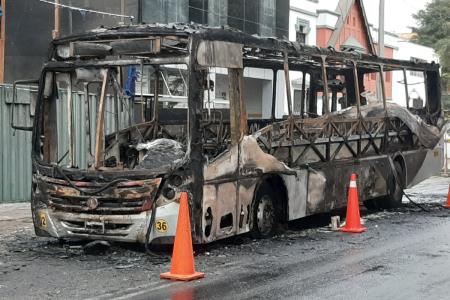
122 11
56 32
381 30
380 44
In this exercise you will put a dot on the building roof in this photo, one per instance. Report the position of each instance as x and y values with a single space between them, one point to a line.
343 8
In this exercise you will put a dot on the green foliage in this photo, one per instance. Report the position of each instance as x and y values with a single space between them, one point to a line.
443 49
434 31
434 22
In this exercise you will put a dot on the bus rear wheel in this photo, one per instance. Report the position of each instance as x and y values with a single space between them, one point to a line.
394 196
265 213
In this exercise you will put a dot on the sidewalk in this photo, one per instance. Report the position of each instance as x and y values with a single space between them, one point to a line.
14 216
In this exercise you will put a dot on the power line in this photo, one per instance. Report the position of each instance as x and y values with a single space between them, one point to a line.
87 10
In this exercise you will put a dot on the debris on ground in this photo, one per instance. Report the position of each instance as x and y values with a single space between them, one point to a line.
97 247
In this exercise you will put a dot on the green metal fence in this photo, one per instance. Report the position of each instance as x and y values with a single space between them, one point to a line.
15 145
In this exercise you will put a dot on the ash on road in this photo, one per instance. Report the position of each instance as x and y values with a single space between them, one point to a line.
404 255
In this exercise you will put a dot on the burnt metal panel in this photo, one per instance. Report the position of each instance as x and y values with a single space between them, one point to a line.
220 54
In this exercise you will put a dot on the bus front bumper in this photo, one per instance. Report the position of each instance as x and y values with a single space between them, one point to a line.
121 228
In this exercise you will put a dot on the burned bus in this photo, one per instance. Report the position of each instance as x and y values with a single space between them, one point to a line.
127 118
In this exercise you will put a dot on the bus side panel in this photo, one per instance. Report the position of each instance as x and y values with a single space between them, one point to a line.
332 181
422 164
297 190
220 197
219 211
244 211
372 178
317 186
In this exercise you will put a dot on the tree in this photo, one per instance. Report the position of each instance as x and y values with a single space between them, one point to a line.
434 31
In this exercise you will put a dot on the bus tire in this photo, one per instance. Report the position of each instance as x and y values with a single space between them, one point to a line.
372 204
394 196
266 212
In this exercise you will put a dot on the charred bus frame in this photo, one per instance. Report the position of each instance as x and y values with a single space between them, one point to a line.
291 167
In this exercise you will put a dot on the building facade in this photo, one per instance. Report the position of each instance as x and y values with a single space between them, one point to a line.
26 23
261 17
404 49
343 25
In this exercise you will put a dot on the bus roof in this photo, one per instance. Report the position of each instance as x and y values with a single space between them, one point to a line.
256 48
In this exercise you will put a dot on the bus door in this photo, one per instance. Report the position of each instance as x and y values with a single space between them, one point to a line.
224 124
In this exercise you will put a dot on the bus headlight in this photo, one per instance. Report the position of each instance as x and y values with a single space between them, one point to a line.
169 193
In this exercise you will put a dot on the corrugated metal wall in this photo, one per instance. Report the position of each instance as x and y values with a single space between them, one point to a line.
83 151
15 147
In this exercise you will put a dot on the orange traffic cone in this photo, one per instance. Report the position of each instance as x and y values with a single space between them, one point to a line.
353 220
447 205
182 267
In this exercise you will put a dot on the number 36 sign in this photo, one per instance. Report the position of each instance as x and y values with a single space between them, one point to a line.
161 225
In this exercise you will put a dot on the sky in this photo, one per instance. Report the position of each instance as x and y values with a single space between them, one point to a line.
398 13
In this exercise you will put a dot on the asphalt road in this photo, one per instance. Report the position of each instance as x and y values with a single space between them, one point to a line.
405 254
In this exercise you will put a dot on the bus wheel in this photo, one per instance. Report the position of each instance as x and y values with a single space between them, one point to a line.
395 191
373 204
394 196
264 213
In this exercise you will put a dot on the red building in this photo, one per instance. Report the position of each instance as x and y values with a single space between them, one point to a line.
352 31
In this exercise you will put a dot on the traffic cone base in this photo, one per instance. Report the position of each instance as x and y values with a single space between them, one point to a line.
446 205
182 265
353 230
170 276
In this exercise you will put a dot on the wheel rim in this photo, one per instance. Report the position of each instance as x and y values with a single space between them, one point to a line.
265 215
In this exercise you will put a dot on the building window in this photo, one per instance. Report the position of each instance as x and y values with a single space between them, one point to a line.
267 18
300 36
416 73
166 11
301 31
198 11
